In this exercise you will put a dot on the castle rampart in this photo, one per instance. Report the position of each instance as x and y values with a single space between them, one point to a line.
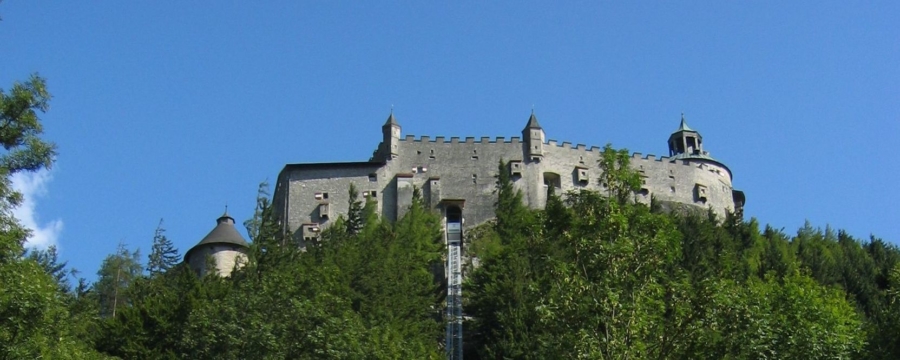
460 174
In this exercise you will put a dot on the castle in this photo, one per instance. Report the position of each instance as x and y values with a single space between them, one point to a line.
457 177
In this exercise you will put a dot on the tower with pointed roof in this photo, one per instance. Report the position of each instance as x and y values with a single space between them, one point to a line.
534 138
220 250
390 133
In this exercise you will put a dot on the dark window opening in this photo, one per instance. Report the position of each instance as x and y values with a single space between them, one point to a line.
552 179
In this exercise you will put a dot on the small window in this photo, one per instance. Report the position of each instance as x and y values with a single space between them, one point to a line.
581 176
515 168
475 157
700 193
552 179
373 177
474 178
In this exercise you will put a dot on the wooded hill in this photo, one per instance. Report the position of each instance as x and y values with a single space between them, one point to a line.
591 276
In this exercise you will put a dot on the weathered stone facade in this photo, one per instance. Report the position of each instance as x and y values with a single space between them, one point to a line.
459 174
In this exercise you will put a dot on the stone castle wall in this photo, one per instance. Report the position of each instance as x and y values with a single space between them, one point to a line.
225 257
461 172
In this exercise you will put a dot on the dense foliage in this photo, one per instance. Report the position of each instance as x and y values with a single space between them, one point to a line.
593 275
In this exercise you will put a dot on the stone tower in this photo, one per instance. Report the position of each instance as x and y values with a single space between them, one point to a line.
223 245
390 132
685 141
533 135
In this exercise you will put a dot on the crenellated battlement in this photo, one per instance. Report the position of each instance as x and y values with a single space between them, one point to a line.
467 139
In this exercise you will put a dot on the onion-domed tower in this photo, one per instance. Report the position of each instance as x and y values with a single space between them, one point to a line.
223 246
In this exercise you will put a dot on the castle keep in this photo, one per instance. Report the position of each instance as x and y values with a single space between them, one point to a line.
457 177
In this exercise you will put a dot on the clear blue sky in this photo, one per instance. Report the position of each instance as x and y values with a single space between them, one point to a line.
167 109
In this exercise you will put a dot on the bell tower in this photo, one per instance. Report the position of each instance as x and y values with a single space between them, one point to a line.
685 141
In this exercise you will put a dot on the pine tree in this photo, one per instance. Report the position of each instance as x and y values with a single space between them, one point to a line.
163 255
355 219
49 260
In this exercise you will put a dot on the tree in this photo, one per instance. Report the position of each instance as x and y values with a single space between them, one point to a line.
116 274
35 321
49 260
501 294
618 177
354 211
163 254
24 150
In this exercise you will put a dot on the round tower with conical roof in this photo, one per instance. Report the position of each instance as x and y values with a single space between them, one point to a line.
220 251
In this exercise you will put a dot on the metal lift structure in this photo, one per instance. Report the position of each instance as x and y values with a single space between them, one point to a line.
454 284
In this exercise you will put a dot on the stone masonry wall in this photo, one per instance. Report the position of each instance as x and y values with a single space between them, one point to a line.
225 257
462 172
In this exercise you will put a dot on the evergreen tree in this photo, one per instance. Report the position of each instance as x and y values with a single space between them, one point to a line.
355 218
500 294
49 260
163 254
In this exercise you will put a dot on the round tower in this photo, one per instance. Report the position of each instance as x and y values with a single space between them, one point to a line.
220 251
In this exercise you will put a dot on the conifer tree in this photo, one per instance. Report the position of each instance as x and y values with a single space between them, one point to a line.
163 255
49 260
355 220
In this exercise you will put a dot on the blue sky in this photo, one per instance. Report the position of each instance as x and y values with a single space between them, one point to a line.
170 109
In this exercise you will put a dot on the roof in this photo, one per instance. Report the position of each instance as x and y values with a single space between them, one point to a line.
532 122
334 165
701 157
684 126
391 121
223 233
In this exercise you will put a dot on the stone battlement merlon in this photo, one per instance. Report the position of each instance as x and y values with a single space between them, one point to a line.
468 139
